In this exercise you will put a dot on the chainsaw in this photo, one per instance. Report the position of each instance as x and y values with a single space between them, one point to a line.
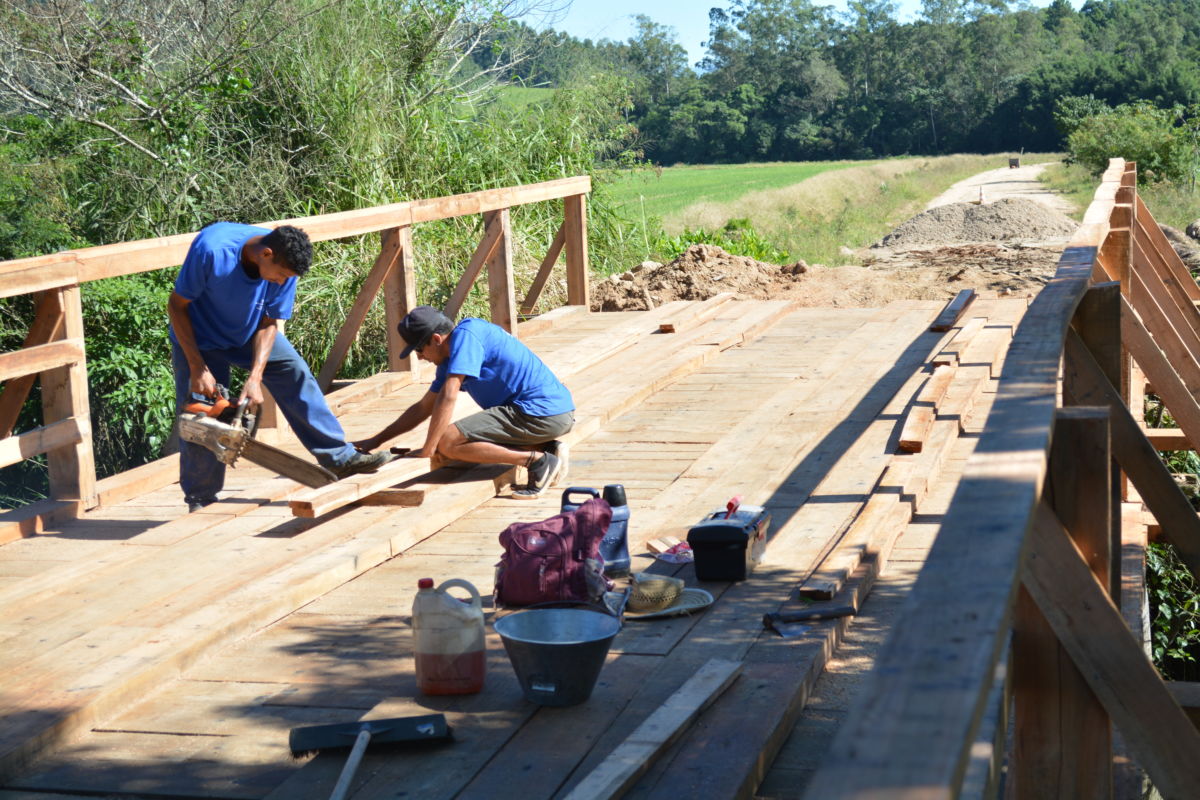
227 429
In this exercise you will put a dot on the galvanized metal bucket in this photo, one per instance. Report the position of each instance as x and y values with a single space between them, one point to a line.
557 653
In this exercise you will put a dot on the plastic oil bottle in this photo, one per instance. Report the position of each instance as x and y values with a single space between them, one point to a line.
448 642
614 547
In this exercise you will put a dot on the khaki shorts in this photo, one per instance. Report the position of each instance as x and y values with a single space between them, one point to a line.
509 425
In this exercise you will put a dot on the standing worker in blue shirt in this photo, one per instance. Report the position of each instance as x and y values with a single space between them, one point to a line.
236 287
525 407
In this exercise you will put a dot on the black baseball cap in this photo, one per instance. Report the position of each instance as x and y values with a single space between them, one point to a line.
419 326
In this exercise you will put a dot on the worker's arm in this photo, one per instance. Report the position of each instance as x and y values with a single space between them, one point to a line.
413 416
201 380
443 412
261 344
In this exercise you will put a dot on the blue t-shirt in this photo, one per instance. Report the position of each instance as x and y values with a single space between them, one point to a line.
499 370
227 304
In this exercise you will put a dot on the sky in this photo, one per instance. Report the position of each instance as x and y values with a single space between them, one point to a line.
613 19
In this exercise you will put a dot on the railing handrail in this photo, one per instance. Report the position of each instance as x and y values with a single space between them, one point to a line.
22 276
914 728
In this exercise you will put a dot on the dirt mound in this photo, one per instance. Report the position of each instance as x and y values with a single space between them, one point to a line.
1010 219
703 271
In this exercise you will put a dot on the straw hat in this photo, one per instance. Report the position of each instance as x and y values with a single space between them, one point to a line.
653 592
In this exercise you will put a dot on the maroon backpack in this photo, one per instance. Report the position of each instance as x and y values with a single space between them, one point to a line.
556 559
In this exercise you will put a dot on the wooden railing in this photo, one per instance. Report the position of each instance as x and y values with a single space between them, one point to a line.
1021 597
54 347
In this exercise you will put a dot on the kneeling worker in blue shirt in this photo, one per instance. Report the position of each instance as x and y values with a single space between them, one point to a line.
237 285
525 406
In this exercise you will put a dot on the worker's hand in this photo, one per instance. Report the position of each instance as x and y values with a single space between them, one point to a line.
366 445
203 383
253 391
424 452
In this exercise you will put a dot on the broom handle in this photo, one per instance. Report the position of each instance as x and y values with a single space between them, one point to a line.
343 784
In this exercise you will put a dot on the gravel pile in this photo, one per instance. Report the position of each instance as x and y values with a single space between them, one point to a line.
1010 219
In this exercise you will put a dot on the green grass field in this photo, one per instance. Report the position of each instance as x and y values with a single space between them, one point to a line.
672 189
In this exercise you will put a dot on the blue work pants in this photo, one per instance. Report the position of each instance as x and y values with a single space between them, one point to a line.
291 383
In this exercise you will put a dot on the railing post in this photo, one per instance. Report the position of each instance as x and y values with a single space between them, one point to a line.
501 298
1098 323
575 219
400 297
65 395
1062 737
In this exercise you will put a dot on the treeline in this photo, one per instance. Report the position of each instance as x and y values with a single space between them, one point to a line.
792 80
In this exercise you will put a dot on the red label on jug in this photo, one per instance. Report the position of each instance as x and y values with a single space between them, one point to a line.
450 674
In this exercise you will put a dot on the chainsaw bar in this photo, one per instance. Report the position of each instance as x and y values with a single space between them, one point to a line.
229 444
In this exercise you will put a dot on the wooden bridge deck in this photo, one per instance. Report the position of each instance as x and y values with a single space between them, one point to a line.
152 653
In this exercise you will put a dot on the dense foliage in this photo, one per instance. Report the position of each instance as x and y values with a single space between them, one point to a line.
794 80
119 121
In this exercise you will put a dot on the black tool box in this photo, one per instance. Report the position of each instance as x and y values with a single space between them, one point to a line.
726 545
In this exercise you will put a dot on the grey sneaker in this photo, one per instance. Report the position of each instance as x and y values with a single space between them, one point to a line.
562 451
541 475
361 462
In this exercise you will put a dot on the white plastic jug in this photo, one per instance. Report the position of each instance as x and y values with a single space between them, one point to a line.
448 642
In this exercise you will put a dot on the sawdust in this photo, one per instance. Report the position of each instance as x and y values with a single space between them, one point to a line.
1006 248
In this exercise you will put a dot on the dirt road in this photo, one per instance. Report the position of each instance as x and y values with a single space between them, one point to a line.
1001 183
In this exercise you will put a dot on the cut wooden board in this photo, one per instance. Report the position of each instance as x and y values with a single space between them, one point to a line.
924 409
633 756
951 354
953 310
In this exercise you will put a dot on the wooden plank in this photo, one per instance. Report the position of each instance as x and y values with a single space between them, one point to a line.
127 258
501 294
65 395
65 432
400 297
841 563
40 358
1167 439
548 321
32 519
47 326
395 497
493 233
575 222
1147 227
544 270
712 308
633 757
389 254
1173 387
38 274
1062 737
1137 457
951 354
1153 270
953 310
920 416
1175 336
1091 630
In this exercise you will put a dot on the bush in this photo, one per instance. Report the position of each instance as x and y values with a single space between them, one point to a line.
1162 141
737 237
